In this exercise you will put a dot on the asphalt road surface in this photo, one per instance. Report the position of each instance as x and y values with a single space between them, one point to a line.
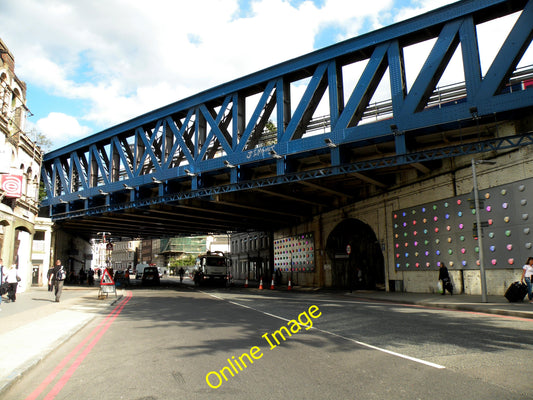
177 342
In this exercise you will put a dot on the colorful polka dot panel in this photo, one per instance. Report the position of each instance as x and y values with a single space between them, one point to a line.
295 253
445 230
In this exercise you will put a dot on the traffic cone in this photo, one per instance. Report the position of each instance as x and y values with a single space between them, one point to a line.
289 286
246 283
272 283
261 284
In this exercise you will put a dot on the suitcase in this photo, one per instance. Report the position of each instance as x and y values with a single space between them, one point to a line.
446 285
516 292
3 288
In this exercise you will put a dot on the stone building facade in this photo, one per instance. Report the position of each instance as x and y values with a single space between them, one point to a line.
251 255
25 239
125 254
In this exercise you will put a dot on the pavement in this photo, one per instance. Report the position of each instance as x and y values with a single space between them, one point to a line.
35 311
34 325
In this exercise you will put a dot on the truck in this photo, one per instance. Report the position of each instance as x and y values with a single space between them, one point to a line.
212 266
139 269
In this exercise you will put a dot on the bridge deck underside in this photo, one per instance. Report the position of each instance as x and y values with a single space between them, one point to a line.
273 204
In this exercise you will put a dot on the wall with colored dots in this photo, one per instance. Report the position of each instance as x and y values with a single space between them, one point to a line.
296 252
444 230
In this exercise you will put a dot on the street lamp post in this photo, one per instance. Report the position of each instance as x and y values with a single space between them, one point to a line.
479 230
292 281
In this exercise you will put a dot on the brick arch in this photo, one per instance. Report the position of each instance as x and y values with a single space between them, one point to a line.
364 267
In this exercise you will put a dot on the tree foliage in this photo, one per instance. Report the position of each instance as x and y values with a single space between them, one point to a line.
40 139
183 261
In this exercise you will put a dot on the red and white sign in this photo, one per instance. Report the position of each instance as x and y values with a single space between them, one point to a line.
107 280
11 185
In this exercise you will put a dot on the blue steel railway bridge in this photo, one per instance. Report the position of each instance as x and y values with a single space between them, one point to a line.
275 148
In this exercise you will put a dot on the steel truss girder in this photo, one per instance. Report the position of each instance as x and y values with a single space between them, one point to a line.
490 145
211 131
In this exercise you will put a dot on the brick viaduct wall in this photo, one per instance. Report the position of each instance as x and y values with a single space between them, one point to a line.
453 179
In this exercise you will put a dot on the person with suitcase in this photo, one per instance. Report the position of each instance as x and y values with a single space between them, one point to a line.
444 276
527 273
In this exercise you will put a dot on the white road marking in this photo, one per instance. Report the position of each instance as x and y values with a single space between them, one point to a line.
393 353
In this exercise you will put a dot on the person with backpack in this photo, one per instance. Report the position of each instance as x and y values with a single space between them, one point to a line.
57 279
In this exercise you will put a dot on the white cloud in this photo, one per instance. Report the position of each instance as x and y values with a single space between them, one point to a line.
61 129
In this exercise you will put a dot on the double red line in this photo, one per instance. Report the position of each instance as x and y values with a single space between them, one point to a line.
92 338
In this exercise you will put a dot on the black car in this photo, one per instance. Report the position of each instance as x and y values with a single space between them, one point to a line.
151 276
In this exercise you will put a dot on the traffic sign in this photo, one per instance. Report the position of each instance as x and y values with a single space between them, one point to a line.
107 280
107 285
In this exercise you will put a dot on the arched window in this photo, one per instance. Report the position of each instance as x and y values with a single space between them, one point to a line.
27 183
35 187
3 94
24 179
16 108
27 188
14 99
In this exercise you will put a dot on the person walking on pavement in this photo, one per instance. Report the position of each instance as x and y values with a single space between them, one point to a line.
1 280
181 272
527 273
444 276
58 279
12 279
48 276
90 280
278 276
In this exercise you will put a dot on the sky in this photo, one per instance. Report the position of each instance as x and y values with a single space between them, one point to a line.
91 64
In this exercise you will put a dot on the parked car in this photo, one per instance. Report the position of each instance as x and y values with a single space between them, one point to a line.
151 276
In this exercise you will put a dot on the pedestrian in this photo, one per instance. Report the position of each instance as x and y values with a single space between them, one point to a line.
181 272
91 277
48 275
83 276
278 276
1 280
444 276
57 279
198 277
527 273
12 279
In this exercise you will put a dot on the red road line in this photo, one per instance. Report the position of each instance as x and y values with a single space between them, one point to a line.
112 315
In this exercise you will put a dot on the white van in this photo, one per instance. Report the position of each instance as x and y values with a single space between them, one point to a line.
139 269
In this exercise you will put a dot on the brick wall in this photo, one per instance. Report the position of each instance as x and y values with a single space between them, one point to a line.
452 179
